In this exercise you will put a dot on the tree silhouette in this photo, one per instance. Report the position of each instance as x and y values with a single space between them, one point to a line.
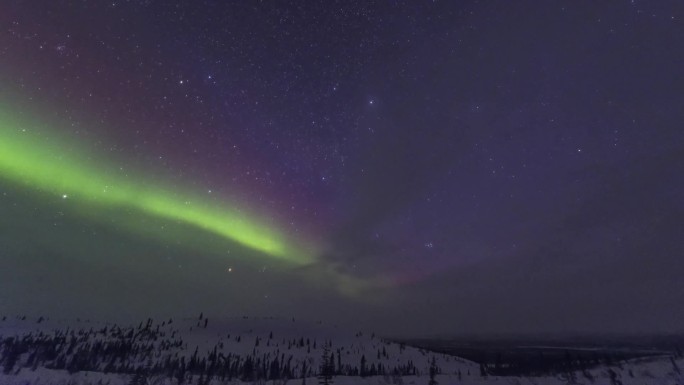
433 371
327 368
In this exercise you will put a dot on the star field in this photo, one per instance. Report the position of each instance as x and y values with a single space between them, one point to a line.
496 166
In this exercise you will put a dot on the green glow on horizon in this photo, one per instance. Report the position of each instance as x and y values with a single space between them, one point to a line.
46 163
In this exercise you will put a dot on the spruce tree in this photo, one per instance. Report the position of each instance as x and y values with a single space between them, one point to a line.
362 368
327 368
433 371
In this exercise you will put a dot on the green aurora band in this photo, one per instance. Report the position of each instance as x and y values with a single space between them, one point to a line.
34 158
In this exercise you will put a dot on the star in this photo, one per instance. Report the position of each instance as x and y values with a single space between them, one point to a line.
467 140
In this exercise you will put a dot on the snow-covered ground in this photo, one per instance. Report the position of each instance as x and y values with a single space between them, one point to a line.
215 351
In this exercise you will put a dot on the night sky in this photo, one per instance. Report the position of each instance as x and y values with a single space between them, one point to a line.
414 167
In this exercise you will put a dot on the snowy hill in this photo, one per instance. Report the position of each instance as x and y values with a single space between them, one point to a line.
222 350
199 350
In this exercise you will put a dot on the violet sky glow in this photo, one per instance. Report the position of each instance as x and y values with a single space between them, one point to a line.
435 167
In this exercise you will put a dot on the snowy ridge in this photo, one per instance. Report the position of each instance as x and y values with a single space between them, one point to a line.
255 350
245 349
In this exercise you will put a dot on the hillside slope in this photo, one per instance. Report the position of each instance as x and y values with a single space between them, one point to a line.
256 350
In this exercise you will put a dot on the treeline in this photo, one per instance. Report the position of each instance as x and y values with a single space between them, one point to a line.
153 350
566 362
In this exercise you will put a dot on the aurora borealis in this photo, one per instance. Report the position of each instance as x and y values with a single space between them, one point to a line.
40 162
418 167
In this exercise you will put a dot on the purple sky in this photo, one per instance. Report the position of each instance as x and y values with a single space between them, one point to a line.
481 166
